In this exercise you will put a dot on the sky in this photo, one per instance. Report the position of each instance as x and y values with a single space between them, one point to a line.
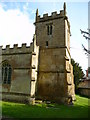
17 18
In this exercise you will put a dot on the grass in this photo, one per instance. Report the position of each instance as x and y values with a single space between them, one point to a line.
17 110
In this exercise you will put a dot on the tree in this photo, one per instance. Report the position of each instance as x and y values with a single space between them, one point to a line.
78 73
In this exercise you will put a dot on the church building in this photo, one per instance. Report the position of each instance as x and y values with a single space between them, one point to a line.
42 70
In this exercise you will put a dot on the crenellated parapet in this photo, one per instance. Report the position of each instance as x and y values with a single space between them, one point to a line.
54 15
24 49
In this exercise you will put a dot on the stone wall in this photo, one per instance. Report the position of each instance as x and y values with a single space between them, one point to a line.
57 37
85 92
70 77
52 84
55 73
24 62
34 63
84 88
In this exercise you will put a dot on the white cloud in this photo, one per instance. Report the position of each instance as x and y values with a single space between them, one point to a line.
25 7
15 27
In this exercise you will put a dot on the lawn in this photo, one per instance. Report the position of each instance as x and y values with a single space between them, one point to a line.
17 110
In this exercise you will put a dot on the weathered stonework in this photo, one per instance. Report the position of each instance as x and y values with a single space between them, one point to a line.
44 69
24 62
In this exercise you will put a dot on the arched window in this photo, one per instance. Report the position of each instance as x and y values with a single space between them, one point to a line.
6 73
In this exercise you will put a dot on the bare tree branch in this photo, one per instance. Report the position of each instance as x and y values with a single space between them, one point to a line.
84 32
88 51
86 37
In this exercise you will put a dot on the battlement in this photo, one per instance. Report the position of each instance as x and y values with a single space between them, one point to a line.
17 50
54 15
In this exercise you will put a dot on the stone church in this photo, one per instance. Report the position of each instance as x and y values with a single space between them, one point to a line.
42 70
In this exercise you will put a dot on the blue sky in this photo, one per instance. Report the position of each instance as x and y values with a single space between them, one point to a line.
17 18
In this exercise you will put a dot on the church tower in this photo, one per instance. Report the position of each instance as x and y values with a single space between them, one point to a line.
55 72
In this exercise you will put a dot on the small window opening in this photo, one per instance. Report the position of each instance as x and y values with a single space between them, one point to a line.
50 29
47 43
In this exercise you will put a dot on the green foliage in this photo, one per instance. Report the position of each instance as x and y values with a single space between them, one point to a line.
78 73
16 110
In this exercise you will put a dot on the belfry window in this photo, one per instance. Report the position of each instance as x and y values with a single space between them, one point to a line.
49 29
6 73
